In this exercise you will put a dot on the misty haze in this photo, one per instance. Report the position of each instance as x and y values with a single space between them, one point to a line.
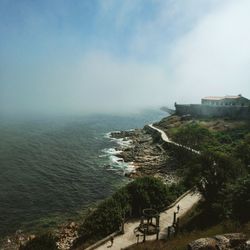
102 56
111 111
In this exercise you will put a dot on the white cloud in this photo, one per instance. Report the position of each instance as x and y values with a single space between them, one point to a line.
214 58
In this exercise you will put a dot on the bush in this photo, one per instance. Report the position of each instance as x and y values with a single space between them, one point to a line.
176 190
241 199
242 150
211 172
105 219
43 242
193 135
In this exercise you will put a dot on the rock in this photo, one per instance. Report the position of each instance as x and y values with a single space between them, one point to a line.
31 237
247 245
72 224
186 117
220 242
236 239
203 244
148 156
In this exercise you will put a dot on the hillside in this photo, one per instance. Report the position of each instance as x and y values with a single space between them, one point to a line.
219 171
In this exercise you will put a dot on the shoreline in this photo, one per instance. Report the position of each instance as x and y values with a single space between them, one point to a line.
144 154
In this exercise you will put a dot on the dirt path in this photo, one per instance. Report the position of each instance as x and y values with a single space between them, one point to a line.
166 219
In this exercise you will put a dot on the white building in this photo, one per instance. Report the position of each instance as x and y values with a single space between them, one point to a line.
228 100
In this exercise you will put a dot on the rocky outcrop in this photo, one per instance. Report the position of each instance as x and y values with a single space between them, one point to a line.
66 235
147 155
233 241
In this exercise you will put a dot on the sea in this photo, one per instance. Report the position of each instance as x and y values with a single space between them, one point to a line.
54 168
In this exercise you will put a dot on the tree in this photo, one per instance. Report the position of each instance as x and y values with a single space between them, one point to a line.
241 199
147 192
242 151
211 171
104 220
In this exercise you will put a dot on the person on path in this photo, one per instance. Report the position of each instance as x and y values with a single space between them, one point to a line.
111 241
178 208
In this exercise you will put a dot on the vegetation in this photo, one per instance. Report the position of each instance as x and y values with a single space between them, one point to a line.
221 136
242 151
220 171
241 199
128 201
147 192
43 242
193 136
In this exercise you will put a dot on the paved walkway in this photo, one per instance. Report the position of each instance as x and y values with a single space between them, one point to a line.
166 139
166 219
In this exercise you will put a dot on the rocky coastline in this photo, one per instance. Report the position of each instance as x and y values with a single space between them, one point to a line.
146 155
65 235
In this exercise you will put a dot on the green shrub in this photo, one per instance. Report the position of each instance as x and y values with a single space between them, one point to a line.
211 172
147 192
105 219
193 135
43 242
242 150
175 191
241 199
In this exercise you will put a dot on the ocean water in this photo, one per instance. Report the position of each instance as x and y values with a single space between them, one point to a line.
53 168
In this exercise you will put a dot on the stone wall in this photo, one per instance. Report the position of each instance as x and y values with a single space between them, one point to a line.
198 110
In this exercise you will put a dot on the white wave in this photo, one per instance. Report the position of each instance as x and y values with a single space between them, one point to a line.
123 142
111 151
109 134
115 162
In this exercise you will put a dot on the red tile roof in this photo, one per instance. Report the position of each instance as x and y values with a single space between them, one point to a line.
218 98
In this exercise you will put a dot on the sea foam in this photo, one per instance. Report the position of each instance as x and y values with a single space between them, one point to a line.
117 163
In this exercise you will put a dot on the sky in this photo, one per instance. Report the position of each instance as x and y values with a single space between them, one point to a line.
62 56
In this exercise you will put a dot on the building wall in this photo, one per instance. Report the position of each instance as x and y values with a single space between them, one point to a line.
199 110
227 102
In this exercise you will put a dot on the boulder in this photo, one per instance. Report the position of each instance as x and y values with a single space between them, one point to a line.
221 242
236 239
203 244
247 245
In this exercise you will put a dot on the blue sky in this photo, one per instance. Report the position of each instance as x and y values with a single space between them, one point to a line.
110 55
